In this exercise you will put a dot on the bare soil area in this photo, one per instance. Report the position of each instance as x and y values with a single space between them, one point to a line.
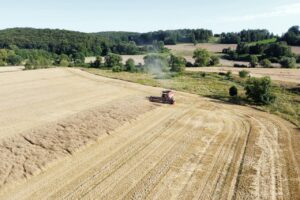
188 49
278 74
137 59
296 50
73 135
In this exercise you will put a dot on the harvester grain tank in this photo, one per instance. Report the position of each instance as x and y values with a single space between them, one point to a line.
167 97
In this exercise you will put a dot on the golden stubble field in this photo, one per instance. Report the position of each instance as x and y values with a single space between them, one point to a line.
67 134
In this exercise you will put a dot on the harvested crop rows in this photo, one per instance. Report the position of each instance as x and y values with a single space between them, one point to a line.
123 147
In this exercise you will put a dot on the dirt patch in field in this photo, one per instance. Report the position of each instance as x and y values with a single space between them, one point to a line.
137 59
296 50
188 49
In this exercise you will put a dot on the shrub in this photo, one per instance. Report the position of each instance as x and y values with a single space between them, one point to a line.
259 90
97 63
233 55
14 60
202 57
240 65
214 60
112 60
78 58
189 64
130 65
226 50
28 66
61 60
243 73
266 63
43 62
228 75
287 62
64 63
253 61
37 63
177 63
117 68
233 91
278 50
78 62
298 59
2 63
274 60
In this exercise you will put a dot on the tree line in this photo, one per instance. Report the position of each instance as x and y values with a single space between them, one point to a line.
292 36
65 42
69 48
169 37
156 62
264 54
245 36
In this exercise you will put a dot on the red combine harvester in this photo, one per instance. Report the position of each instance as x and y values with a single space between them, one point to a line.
167 97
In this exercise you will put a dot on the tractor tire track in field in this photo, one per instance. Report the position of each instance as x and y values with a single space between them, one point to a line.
197 149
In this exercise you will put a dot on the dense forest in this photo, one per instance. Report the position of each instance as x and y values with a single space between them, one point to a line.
169 37
63 47
72 42
292 37
265 53
116 36
55 41
245 36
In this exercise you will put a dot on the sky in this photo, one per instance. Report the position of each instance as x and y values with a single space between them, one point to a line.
143 16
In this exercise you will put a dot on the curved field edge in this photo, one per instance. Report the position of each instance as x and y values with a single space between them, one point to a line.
215 86
197 149
43 122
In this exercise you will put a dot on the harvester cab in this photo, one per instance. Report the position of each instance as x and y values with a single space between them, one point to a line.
167 97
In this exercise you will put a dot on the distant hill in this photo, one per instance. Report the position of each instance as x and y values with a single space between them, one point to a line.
71 42
247 36
52 40
169 37
116 35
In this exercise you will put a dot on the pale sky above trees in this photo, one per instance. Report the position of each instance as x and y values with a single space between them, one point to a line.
141 16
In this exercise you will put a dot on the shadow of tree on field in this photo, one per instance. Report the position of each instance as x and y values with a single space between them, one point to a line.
228 100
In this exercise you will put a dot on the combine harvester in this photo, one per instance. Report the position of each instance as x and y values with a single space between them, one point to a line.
167 97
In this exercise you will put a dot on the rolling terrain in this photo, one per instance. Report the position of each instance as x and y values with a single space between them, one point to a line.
186 50
67 134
